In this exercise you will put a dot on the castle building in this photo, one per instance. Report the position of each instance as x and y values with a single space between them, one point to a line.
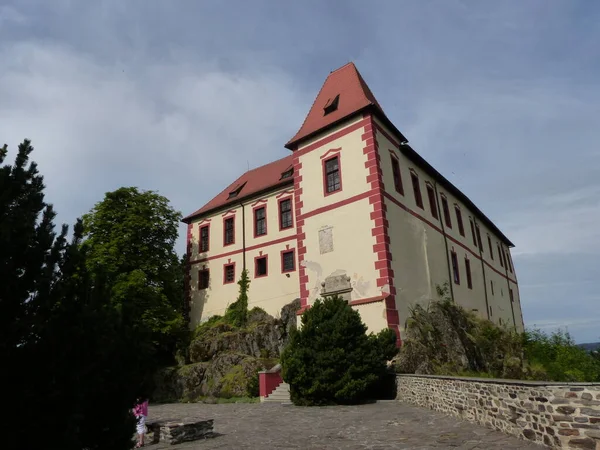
353 210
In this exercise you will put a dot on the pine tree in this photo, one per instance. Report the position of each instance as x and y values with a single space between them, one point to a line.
73 364
331 359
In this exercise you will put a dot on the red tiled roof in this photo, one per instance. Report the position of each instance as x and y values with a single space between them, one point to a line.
354 95
253 182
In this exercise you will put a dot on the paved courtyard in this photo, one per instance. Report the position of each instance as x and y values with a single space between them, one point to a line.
384 425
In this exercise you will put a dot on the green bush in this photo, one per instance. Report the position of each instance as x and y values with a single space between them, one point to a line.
237 312
332 359
560 357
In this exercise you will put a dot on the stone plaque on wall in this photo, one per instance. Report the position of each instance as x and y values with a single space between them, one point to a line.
326 240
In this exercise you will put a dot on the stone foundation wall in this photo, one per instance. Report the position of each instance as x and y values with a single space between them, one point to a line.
558 415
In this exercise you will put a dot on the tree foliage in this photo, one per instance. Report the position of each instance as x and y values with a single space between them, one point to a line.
237 312
130 238
73 364
332 359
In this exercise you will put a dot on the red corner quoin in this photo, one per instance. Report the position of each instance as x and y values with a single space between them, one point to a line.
381 248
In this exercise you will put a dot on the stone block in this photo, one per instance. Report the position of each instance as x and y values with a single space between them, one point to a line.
582 443
176 432
568 432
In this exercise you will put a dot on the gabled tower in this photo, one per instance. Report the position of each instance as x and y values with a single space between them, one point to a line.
342 226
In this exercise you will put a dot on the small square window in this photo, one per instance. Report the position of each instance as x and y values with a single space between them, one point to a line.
288 263
203 279
260 267
229 273
331 105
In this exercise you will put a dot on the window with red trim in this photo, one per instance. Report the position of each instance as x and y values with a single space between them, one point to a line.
260 221
416 189
229 231
468 270
473 232
490 247
333 180
260 267
479 238
461 228
446 212
285 214
397 175
432 202
455 270
500 255
203 279
228 273
288 261
204 238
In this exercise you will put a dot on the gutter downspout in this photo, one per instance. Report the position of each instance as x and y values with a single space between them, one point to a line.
243 237
450 277
477 235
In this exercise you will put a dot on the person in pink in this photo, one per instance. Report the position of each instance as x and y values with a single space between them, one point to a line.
140 411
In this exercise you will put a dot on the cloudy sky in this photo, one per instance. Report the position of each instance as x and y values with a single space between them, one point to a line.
182 96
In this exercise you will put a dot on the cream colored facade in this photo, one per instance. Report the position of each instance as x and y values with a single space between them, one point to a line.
270 292
393 251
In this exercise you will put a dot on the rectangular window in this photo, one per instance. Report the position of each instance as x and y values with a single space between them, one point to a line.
499 255
260 221
508 261
490 310
416 189
229 231
285 214
446 212
203 278
504 258
204 238
455 272
479 238
510 293
333 180
492 286
397 175
288 263
461 228
432 202
468 270
260 266
228 273
490 247
473 232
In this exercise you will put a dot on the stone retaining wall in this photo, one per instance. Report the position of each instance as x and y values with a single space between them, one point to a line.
559 415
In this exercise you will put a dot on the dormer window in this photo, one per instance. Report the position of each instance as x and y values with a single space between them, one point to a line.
332 105
236 191
287 174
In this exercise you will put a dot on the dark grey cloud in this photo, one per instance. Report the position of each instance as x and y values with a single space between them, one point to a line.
182 96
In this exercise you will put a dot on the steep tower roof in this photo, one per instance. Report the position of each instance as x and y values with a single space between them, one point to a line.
344 93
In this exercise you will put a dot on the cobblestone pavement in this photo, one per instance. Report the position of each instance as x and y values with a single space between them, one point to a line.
383 425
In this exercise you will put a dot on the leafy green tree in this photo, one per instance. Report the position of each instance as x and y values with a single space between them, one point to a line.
73 364
332 359
561 358
130 238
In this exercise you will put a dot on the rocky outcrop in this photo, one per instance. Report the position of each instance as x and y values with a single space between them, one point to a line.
445 339
226 360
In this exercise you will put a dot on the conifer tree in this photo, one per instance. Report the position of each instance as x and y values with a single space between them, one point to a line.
72 364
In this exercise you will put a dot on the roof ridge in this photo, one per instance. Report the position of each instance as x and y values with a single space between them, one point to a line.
349 63
267 164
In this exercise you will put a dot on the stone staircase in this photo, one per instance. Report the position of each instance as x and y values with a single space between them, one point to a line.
280 395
